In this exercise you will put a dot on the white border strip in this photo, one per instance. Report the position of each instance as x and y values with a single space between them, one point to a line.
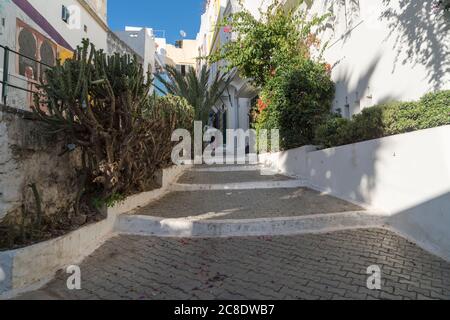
286 184
194 228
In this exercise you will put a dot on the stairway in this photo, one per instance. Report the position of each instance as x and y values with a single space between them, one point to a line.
243 200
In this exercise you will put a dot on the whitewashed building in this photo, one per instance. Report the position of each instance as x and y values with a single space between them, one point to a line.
44 31
233 110
380 50
141 40
384 50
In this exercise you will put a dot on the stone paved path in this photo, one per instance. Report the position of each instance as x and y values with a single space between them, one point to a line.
192 177
246 204
327 266
316 266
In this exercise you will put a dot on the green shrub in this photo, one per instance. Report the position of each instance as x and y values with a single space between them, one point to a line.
298 100
333 132
401 117
436 109
431 111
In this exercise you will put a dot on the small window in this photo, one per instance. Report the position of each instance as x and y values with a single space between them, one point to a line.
3 22
85 28
347 111
183 70
65 14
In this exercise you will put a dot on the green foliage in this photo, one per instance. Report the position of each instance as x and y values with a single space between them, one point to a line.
297 100
109 202
431 111
334 131
279 38
196 89
101 104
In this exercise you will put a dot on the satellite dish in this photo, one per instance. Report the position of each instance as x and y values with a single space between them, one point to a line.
183 34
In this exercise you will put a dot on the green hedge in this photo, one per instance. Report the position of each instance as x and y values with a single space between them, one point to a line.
298 100
432 110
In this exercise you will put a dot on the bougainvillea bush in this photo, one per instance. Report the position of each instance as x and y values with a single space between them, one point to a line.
296 101
274 53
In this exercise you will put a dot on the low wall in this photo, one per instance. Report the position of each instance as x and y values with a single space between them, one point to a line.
405 176
31 267
27 156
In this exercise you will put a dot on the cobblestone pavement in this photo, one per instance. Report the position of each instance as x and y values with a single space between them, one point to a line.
192 177
245 204
326 266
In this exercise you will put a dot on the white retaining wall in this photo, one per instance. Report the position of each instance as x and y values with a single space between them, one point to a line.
406 176
31 267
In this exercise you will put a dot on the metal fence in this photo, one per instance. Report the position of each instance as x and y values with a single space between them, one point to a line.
21 76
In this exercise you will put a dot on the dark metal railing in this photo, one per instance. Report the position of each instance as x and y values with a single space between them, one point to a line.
6 83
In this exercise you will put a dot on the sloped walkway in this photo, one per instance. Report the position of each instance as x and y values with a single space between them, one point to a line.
329 265
245 204
242 204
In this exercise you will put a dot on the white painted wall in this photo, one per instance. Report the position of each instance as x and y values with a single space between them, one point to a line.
142 41
209 40
385 50
405 176
51 10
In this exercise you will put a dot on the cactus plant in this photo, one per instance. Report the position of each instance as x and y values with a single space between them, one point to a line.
102 105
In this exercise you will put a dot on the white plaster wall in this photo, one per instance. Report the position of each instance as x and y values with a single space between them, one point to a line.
10 12
143 42
255 6
52 12
385 50
405 176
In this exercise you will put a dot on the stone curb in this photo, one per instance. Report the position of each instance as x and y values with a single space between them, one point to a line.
287 184
190 227
229 168
31 267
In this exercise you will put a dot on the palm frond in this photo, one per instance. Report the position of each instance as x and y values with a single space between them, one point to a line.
196 88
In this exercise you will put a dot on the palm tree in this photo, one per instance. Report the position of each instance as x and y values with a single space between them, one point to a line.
196 89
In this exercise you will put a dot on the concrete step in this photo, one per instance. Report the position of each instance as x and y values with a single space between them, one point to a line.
227 168
255 185
192 227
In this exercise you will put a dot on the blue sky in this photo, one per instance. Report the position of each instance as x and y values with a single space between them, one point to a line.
169 15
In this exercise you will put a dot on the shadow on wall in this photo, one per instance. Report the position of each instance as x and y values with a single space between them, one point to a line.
428 224
361 93
354 185
422 34
405 176
350 9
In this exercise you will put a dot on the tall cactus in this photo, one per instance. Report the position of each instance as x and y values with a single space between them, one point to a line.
101 104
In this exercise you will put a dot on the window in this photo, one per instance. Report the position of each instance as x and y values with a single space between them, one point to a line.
33 45
47 55
2 26
85 28
27 48
347 111
65 14
183 70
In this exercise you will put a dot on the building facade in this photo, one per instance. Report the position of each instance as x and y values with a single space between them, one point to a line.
183 55
142 41
379 50
44 31
385 50
233 109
